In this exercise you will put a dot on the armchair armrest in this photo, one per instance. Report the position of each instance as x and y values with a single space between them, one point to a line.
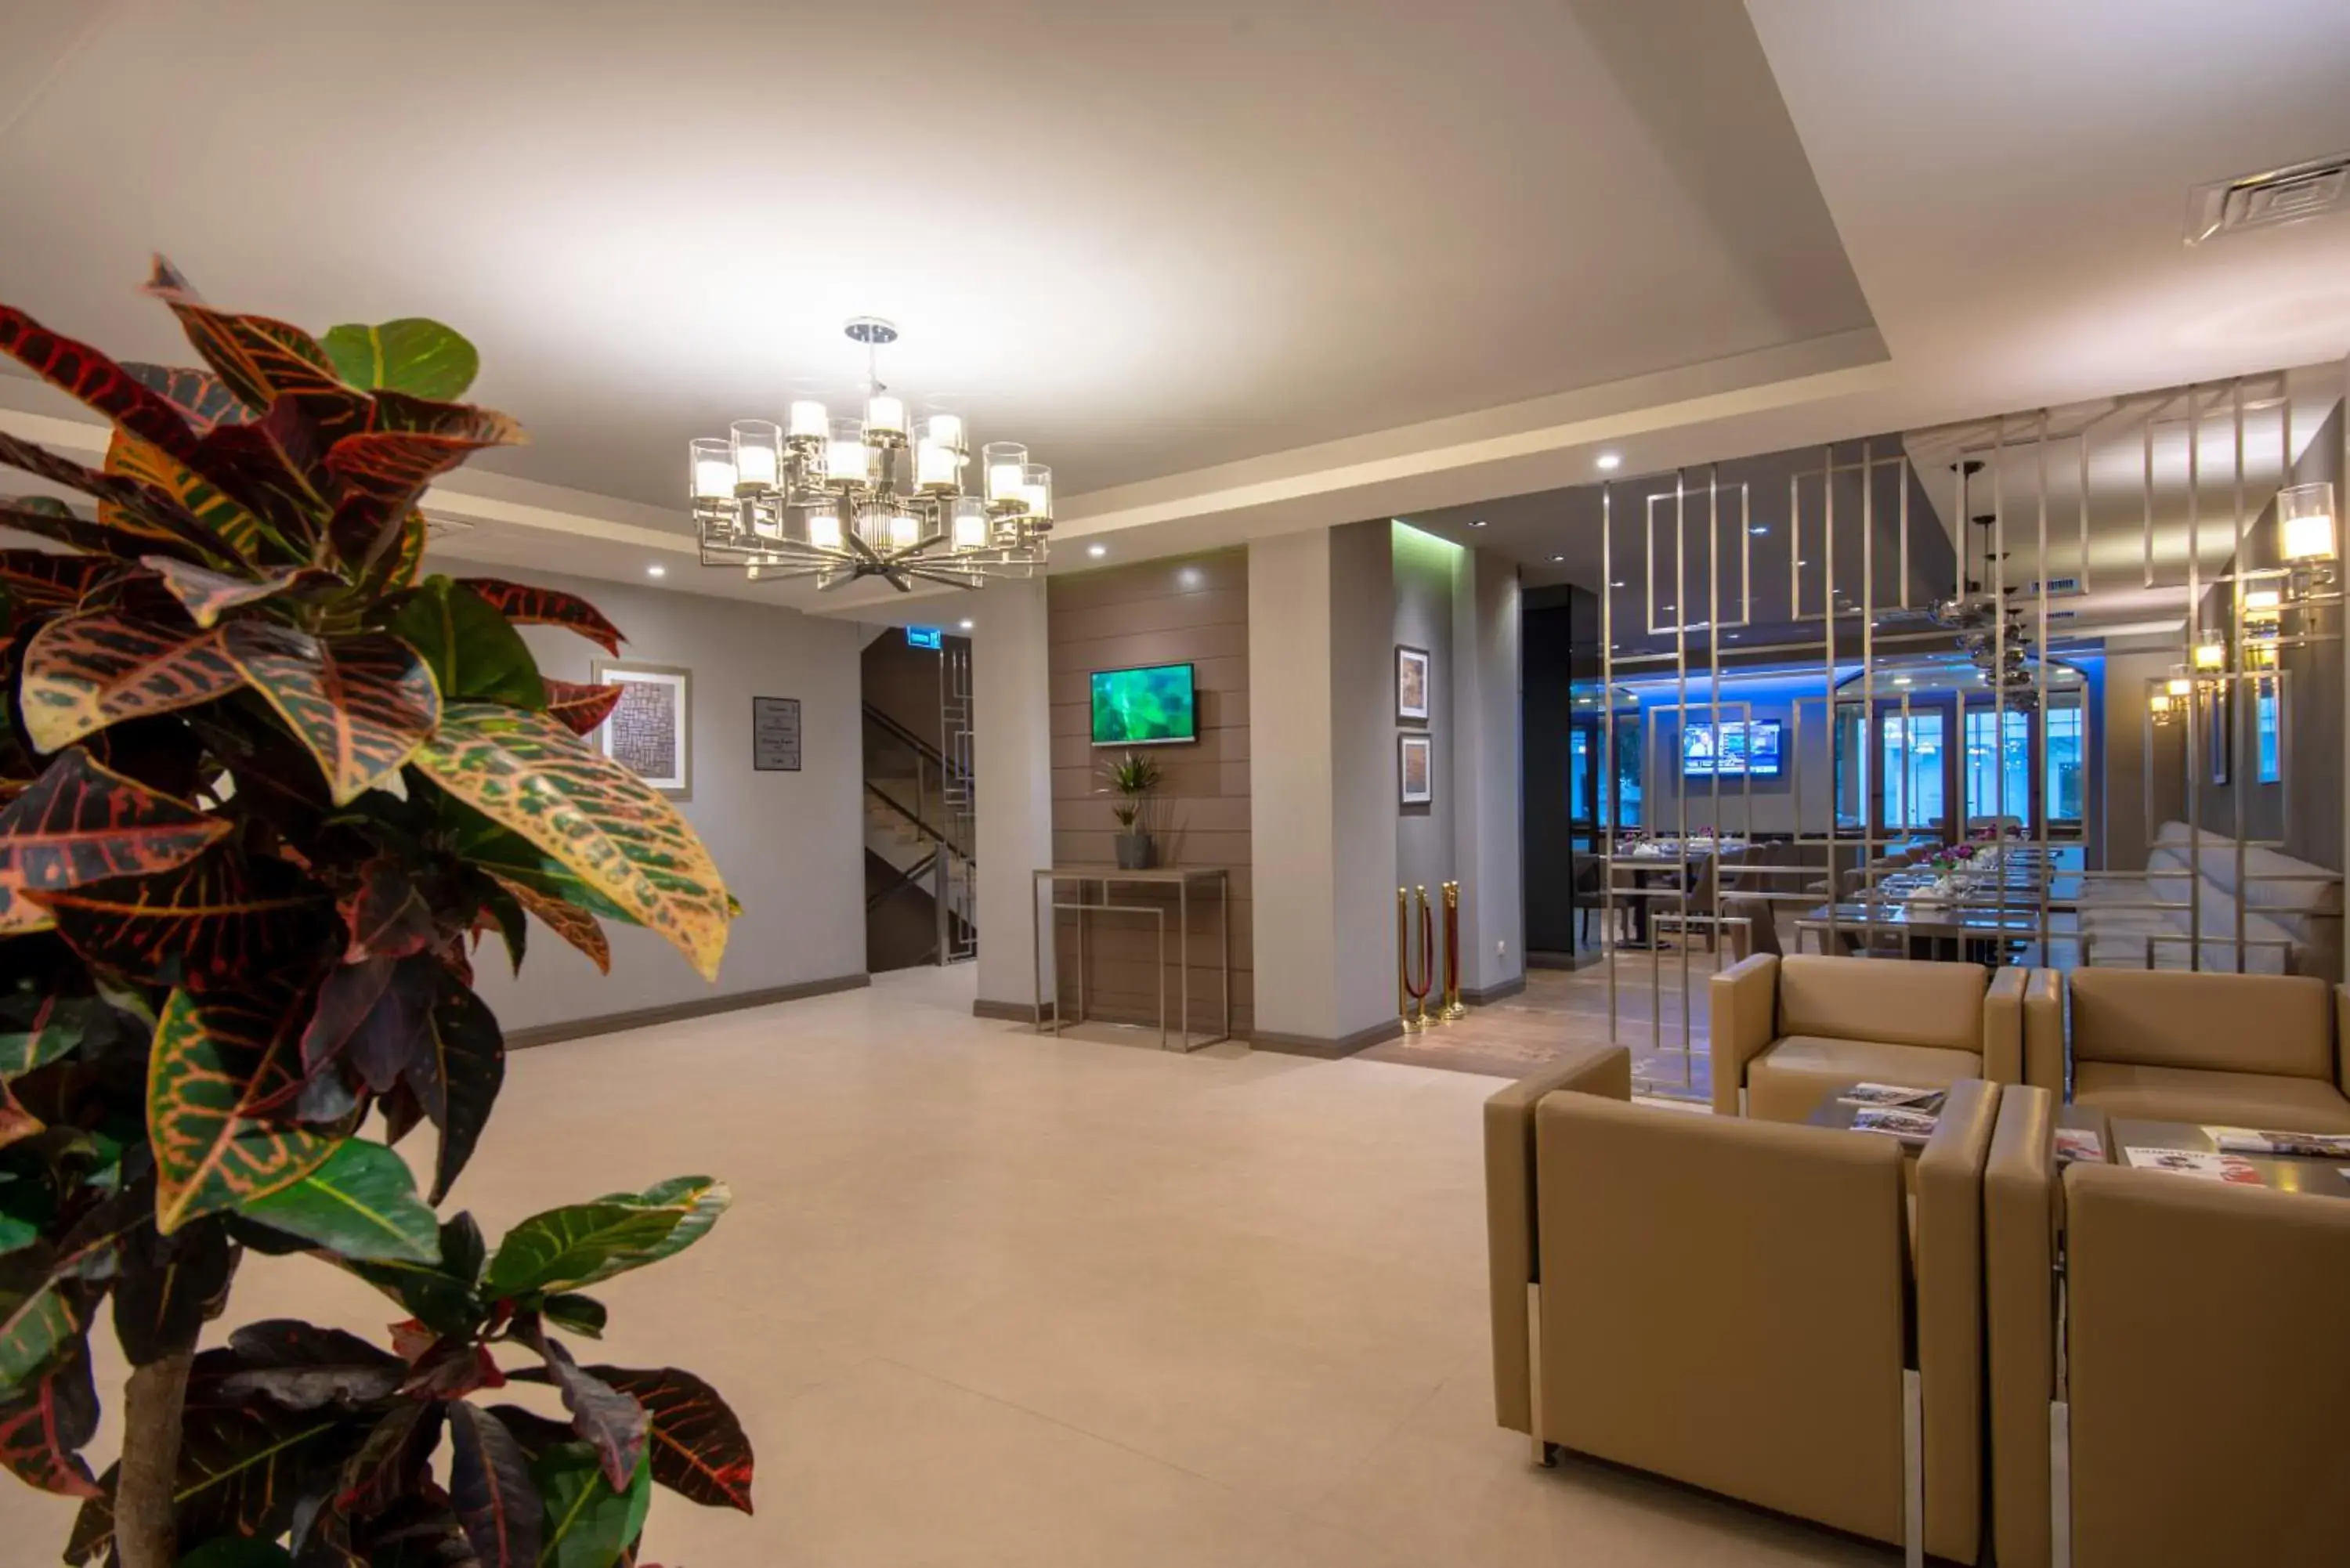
2002 1035
1950 1315
1513 1260
1744 1009
2021 1204
2043 1032
2342 1038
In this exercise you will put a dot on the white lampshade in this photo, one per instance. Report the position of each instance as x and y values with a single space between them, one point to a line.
941 430
713 468
884 416
2178 686
936 467
904 531
823 526
968 529
2305 517
758 453
2210 654
847 459
1005 464
809 421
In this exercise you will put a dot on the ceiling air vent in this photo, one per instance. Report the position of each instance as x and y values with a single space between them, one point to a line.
2057 586
2271 197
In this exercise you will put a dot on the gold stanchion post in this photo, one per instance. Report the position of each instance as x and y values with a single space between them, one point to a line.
1453 1010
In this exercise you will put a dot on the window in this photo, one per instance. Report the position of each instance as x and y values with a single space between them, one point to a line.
1578 773
1912 752
1999 776
2067 781
1851 768
1628 770
2266 723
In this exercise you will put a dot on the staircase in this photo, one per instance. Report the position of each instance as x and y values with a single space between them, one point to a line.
920 883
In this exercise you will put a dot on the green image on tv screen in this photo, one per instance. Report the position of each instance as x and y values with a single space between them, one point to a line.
1141 707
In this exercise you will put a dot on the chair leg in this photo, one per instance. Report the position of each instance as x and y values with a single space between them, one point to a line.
1913 1471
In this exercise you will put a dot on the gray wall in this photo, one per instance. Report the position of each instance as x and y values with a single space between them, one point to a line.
790 845
1424 570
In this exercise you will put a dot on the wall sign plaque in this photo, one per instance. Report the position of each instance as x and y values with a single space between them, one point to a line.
776 734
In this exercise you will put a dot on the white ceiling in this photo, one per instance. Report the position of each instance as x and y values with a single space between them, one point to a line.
1233 268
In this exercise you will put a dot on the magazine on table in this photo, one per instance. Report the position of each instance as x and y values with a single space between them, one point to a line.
2079 1143
1891 1094
2265 1140
2198 1163
1908 1125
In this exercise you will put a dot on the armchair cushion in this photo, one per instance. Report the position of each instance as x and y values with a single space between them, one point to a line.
2192 1094
2170 1019
1787 1082
1898 1001
1743 1002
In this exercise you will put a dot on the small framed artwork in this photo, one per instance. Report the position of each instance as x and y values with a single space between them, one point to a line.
650 732
776 734
1415 769
1412 684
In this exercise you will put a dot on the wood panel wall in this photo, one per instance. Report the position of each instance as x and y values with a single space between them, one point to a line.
1194 610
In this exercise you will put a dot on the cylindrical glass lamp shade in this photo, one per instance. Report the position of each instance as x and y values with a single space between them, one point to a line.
941 430
937 468
885 419
905 530
847 459
2178 686
967 523
1037 489
758 453
809 421
2158 703
1006 465
2210 654
824 526
2305 519
712 470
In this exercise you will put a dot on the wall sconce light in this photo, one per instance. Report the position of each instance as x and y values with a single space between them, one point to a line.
2263 604
2211 653
2160 705
2260 654
2305 522
2179 686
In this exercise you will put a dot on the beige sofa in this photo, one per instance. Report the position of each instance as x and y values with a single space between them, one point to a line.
1746 1307
1786 1031
2238 1049
2182 1377
2292 911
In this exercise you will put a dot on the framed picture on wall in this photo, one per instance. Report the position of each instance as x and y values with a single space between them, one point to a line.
650 732
1415 769
1412 684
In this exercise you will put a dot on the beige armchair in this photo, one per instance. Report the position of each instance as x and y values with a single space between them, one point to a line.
2253 1050
1745 1307
1786 1031
2170 1399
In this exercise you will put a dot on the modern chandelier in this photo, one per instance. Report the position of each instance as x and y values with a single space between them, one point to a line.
883 496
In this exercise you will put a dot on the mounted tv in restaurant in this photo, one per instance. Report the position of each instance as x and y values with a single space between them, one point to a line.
1742 749
1151 705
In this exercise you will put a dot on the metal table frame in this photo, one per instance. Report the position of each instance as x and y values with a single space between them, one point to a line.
1181 877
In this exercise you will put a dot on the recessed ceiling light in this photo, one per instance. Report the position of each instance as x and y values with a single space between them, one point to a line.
1559 557
1802 563
1097 550
657 571
967 625
1609 462
1901 680
1760 528
1616 584
1479 522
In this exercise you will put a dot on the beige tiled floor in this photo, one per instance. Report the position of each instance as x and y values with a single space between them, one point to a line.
987 1298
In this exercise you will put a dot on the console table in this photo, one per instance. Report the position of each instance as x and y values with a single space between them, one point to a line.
1183 878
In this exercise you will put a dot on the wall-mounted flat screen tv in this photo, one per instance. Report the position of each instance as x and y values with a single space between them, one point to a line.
1151 706
1741 750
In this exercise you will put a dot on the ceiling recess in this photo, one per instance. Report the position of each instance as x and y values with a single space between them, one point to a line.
2269 198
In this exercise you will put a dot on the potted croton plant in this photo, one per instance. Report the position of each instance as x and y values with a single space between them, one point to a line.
1132 780
268 790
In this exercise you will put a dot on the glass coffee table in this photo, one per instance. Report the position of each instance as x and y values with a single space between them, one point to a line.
2320 1177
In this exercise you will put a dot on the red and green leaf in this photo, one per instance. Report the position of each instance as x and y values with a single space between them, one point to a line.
245 1462
45 1426
475 654
127 508
38 580
360 1202
490 1485
47 517
260 360
381 472
16 1123
201 398
528 606
456 1078
362 705
245 535
700 1450
167 1287
579 1244
390 1462
42 1314
603 1416
82 823
385 913
589 1523
573 924
224 1069
528 773
35 1030
94 379
207 594
84 672
216 920
582 708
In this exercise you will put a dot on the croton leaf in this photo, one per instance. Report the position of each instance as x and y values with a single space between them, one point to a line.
16 1123
574 925
346 997
443 1299
43 1309
514 860
93 379
207 594
38 1027
245 1463
82 823
386 916
475 653
245 535
420 1530
271 467
412 355
129 508
169 1287
45 517
200 396
604 1417
528 606
527 773
361 1201
238 1551
83 673
222 1063
579 1314
380 472
390 1462
221 915
19 916
399 567
41 580
260 360
395 1036
93 1527
567 1248
699 1448
589 1522
362 705
583 709
490 1483
302 1367
456 1078
45 1426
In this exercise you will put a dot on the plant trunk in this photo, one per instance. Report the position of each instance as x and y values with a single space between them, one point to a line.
145 1530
